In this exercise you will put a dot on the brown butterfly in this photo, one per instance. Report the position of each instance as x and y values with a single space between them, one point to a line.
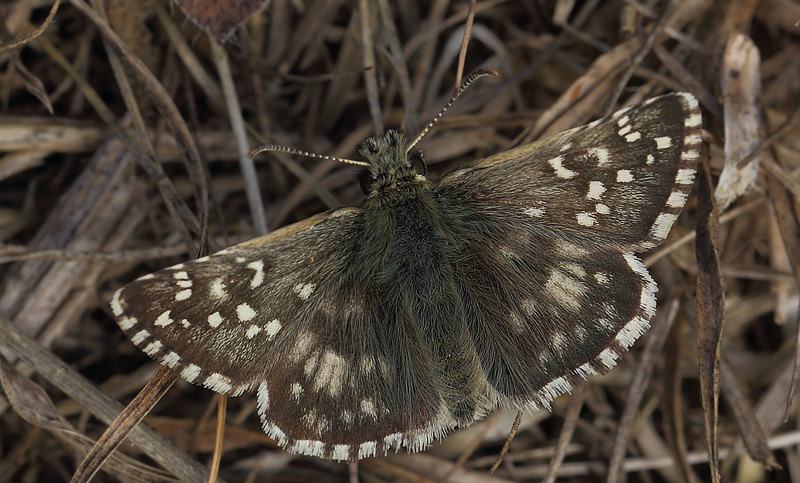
432 303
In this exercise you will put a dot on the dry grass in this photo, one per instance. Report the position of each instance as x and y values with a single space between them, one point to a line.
137 163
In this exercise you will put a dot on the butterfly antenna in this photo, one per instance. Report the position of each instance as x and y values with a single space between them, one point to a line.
283 149
476 74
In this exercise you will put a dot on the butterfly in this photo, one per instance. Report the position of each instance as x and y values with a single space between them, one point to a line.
432 304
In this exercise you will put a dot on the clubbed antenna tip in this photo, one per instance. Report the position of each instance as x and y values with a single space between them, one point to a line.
475 75
283 149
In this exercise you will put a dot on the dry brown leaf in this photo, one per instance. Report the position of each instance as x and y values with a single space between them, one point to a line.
741 86
220 18
710 312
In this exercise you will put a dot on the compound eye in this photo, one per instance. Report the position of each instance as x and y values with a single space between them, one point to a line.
417 164
366 181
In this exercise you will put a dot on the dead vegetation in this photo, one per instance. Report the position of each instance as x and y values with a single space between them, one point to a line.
119 158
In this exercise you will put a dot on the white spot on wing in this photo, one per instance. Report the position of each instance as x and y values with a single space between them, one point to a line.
596 190
272 328
625 130
565 290
601 154
214 320
693 139
245 312
171 360
694 120
341 452
535 212
153 348
308 447
368 408
347 416
252 331
183 294
571 249
690 100
304 290
632 331
602 209
624 176
258 277
273 431
647 302
560 170
164 320
650 159
663 142
690 155
302 345
662 225
685 176
676 199
553 389
218 383
297 390
365 450
126 323
185 323
184 283
633 137
331 373
586 219
366 364
559 342
310 365
190 372
608 358
218 289
116 306
575 269
182 275
393 440
263 397
585 370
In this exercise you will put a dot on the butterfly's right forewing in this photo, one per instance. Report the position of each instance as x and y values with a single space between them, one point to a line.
620 180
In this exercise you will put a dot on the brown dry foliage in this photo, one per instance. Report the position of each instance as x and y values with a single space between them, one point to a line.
84 209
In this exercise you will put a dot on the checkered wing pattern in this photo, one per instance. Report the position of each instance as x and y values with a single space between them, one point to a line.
387 325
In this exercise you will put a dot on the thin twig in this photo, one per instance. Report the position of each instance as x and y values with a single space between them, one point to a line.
249 174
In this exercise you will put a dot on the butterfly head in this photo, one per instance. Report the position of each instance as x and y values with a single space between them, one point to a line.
390 164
